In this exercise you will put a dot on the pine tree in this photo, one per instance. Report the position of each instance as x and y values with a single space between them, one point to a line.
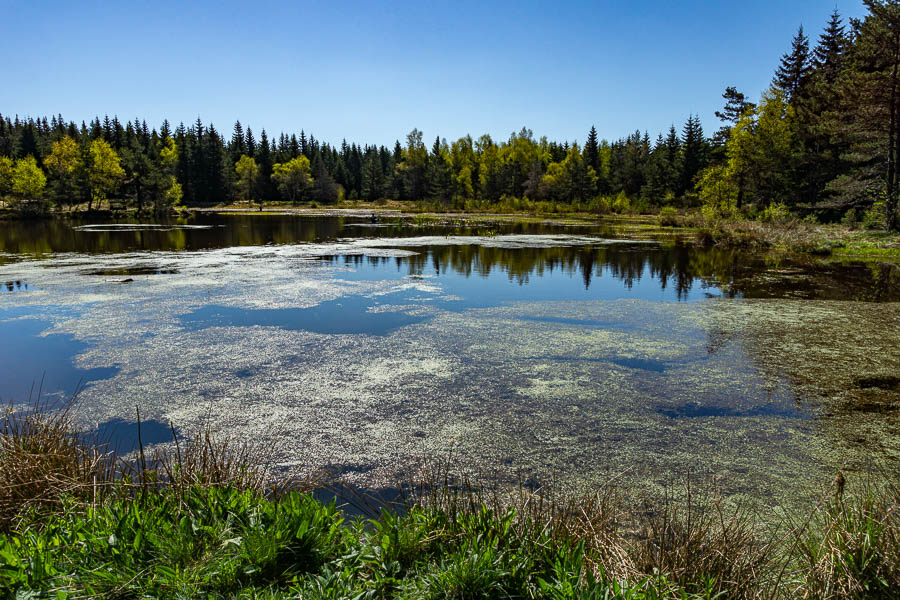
736 105
304 145
264 160
872 101
28 145
250 143
592 150
693 153
793 72
238 147
437 173
828 56
325 190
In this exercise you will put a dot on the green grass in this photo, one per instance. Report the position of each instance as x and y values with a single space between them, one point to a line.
221 542
200 522
866 249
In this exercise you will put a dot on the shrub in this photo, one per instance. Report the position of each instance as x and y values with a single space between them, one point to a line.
777 212
621 204
668 216
851 218
875 217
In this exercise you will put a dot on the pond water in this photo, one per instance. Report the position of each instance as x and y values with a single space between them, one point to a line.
540 352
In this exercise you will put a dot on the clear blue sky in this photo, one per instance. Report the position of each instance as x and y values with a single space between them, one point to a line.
371 71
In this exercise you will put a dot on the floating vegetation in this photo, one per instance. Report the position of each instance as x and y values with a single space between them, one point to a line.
532 358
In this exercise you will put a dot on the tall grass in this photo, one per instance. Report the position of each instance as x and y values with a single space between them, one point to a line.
44 460
852 547
200 519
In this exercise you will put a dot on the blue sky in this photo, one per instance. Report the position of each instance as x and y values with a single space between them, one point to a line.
370 72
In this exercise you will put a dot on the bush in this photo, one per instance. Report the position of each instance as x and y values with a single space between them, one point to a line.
621 204
777 212
875 217
668 216
851 219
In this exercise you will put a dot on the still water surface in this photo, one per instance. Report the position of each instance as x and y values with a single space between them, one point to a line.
564 354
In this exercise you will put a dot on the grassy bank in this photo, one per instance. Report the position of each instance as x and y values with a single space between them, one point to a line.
788 235
201 520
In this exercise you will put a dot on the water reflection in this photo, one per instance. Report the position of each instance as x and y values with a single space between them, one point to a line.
16 286
348 315
643 271
125 436
33 361
690 273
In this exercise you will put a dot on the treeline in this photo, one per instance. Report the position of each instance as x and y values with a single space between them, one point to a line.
56 161
822 141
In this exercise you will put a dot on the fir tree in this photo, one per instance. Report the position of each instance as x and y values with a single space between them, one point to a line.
828 56
693 146
793 72
592 150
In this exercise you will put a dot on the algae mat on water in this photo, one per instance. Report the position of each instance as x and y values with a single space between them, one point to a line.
769 395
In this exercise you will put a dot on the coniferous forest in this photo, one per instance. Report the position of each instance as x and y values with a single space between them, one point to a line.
821 142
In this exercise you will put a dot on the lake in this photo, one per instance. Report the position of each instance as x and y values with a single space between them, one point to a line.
547 353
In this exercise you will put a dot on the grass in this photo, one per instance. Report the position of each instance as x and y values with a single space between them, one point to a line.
201 521
793 236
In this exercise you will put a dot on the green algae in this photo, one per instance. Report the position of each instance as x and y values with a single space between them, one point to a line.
767 395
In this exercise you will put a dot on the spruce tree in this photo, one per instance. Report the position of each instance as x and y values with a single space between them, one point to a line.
238 147
693 146
736 105
250 143
793 72
592 150
829 52
264 160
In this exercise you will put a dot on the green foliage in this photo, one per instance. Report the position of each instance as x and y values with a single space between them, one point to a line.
852 548
247 172
718 193
292 177
7 165
208 542
875 217
668 216
63 165
104 172
776 212
28 180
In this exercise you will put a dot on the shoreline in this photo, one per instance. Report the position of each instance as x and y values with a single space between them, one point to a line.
822 241
208 519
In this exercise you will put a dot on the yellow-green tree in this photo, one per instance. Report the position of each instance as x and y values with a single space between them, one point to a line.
489 168
463 163
247 172
572 178
718 191
62 164
761 151
6 175
292 177
104 171
168 191
28 180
